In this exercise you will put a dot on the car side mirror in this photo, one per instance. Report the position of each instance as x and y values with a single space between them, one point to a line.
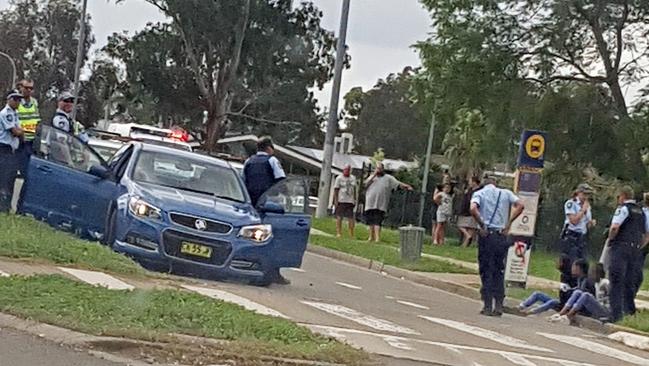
99 171
270 207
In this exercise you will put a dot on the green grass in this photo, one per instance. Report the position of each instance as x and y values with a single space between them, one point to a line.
386 254
26 238
640 321
153 314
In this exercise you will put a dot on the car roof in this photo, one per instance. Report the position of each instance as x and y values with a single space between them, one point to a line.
105 143
143 146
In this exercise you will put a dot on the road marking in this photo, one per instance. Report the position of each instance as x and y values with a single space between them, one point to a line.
519 360
412 304
4 274
98 279
327 330
398 343
355 316
485 333
597 348
389 297
235 299
347 285
299 270
631 340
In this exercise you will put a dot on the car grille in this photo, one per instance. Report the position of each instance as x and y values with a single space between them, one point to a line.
211 226
173 241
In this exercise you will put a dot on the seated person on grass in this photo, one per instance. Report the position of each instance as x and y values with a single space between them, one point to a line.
584 302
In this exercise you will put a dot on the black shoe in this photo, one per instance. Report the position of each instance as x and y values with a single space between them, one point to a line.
497 313
486 312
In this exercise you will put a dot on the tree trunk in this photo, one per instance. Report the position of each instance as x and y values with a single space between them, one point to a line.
618 97
216 117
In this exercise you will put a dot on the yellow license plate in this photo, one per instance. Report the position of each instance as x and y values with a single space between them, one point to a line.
196 250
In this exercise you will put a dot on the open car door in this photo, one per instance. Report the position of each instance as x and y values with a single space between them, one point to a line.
285 206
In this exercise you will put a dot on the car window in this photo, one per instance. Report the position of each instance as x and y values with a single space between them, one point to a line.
63 148
196 175
290 193
118 155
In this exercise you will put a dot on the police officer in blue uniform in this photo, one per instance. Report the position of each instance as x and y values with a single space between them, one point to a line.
494 209
260 172
627 235
579 219
62 119
10 134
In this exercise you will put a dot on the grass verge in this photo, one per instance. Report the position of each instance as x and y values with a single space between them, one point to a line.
26 238
149 314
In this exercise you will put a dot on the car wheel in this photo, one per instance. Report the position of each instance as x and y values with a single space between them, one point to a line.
109 237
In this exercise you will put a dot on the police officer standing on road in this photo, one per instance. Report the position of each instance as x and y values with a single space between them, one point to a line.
627 234
10 135
579 219
494 209
30 117
62 119
260 172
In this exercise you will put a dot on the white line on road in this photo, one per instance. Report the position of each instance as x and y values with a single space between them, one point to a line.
299 270
357 317
519 360
631 340
235 299
397 343
347 285
389 297
98 279
334 330
597 348
4 274
485 333
412 304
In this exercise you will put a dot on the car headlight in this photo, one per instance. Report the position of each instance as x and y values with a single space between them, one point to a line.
143 209
256 233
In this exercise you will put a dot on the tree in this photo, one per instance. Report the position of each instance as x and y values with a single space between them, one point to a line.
601 42
464 143
234 58
42 37
385 117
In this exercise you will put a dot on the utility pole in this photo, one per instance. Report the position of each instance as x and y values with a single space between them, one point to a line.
332 123
77 66
13 67
424 184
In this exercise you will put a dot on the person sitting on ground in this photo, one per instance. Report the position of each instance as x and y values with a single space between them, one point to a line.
580 270
584 302
548 302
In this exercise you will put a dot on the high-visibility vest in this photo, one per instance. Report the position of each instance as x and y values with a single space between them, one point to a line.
29 118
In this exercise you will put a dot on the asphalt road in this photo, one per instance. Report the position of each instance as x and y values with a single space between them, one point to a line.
18 349
414 324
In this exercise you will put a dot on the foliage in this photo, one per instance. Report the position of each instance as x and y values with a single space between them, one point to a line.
249 64
385 117
464 144
42 38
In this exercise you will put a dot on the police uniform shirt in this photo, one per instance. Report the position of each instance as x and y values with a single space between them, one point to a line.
278 171
61 121
572 207
494 204
622 213
9 120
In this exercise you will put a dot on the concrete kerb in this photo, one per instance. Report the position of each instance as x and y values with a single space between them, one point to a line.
511 305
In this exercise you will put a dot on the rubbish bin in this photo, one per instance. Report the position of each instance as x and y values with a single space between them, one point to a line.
412 240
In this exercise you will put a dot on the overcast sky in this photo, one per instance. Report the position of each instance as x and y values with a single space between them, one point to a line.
379 37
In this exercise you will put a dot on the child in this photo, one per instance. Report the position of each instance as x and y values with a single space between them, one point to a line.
546 301
582 301
580 270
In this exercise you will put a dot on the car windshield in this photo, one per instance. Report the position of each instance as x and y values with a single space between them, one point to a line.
194 175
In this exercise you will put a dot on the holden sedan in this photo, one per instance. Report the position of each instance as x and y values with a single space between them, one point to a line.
169 209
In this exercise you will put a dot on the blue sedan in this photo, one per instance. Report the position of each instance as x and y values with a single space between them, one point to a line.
169 209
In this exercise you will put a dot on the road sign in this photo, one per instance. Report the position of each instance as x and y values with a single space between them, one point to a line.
518 261
532 150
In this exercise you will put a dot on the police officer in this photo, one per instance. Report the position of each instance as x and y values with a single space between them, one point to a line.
579 219
10 135
62 119
644 250
30 117
260 172
491 207
627 234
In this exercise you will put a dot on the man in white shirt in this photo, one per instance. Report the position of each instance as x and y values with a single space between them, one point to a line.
345 200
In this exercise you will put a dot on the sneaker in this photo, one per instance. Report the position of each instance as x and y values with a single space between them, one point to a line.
554 318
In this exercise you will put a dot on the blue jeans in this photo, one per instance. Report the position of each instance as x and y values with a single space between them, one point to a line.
580 300
547 302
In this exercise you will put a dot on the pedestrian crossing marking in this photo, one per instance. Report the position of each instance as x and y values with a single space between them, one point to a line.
235 299
97 279
360 318
598 348
349 286
485 333
412 304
